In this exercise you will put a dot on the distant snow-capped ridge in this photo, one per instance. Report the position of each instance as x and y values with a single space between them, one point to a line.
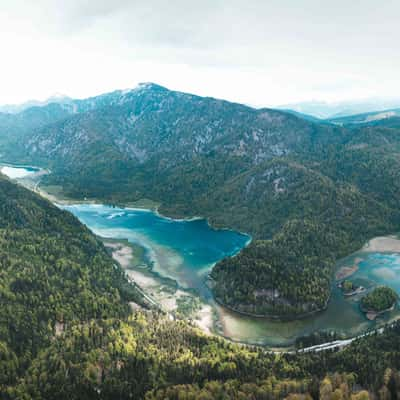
325 110
60 98
17 108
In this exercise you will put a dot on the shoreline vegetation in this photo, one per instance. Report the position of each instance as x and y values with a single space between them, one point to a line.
275 317
55 195
163 290
149 280
349 289
132 257
372 315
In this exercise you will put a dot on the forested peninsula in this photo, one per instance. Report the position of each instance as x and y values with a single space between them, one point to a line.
67 331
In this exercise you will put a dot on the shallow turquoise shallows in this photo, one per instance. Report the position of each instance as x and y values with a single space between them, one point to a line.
184 250
381 268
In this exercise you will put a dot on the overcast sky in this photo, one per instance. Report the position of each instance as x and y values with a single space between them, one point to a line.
260 52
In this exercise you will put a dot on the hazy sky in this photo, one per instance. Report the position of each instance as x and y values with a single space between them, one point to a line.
260 52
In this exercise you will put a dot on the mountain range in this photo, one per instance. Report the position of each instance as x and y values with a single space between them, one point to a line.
17 108
307 191
329 110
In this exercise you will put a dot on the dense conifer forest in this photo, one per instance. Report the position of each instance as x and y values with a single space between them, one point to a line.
66 331
380 299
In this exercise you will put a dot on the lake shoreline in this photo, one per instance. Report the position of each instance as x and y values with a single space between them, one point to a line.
383 244
141 204
275 317
233 330
121 249
150 282
345 271
372 315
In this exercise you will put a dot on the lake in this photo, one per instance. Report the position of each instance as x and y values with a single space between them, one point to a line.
183 250
342 315
186 250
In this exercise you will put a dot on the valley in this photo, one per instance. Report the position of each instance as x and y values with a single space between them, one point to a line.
308 193
199 200
171 259
138 301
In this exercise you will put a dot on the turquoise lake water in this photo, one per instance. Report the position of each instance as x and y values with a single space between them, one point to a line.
182 250
186 250
342 315
380 268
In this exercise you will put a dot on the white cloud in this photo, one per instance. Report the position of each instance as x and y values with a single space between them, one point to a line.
258 52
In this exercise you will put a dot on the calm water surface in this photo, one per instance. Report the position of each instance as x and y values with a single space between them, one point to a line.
342 315
182 250
186 251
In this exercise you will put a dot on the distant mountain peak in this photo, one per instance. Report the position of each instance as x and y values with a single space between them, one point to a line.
58 96
17 108
150 86
140 87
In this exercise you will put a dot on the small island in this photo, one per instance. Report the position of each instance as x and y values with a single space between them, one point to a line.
349 289
379 301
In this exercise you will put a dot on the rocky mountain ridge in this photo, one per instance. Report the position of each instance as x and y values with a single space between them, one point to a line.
275 175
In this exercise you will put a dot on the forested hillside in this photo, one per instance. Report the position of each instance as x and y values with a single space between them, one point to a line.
321 188
149 357
66 331
53 271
